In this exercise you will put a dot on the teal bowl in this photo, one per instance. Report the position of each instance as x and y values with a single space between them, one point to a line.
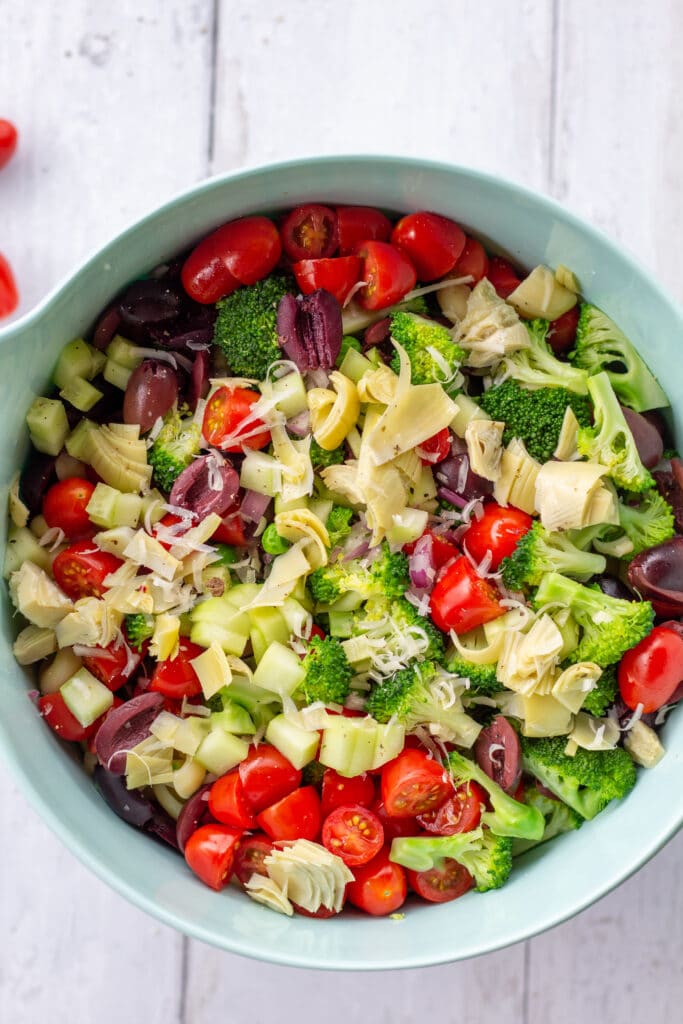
547 885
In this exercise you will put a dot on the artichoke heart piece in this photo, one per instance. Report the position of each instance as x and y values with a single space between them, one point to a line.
592 733
266 891
574 684
516 483
484 440
378 387
286 571
309 875
528 660
490 328
301 524
333 413
37 597
569 495
643 744
542 295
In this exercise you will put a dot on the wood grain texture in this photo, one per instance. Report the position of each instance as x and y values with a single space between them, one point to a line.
120 106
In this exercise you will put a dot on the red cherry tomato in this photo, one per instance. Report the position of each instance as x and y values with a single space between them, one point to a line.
388 272
81 569
462 600
339 792
231 530
473 261
360 223
113 665
395 827
171 520
225 411
498 531
9 295
354 833
250 855
433 243
502 276
8 141
239 252
296 816
460 813
210 852
442 883
310 232
443 551
413 784
322 913
228 804
64 506
562 332
337 275
175 677
650 672
436 448
380 886
267 776
57 715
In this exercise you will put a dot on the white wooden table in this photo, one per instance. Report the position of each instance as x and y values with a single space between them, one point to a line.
121 105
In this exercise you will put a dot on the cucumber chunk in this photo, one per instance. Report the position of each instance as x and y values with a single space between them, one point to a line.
220 751
48 425
279 669
298 745
86 697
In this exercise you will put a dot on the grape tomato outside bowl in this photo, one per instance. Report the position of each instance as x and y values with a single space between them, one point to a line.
550 883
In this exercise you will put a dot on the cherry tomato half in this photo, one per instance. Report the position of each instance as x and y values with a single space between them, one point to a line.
338 791
337 275
228 804
231 529
113 665
225 411
462 600
309 232
433 243
9 294
8 141
460 813
360 223
498 531
473 261
388 272
267 776
210 852
650 672
444 882
395 827
436 448
353 833
250 855
502 276
562 332
296 816
175 677
239 252
81 569
380 886
57 715
414 783
64 506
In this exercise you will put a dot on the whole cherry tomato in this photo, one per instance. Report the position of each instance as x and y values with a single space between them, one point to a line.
353 833
414 783
433 243
360 223
210 852
649 674
502 276
498 531
388 272
295 816
60 719
8 141
473 261
240 252
225 411
81 569
379 887
9 295
337 275
175 677
462 600
65 506
310 232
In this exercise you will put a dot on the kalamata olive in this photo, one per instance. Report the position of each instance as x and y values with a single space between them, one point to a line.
36 478
123 728
109 408
657 575
199 379
670 489
163 827
455 475
129 804
309 329
646 436
106 327
150 302
499 754
194 813
613 587
150 393
624 715
209 484
194 326
376 333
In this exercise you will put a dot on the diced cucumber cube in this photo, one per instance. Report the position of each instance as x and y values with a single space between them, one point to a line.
190 733
271 624
262 473
80 393
288 506
122 351
233 718
354 365
22 546
279 669
290 395
78 359
116 374
220 751
298 745
48 425
389 743
341 624
86 697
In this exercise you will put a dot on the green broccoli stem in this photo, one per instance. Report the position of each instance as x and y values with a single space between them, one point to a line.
509 817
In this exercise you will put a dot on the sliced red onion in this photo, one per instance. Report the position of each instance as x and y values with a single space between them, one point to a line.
254 506
199 379
421 563
300 425
446 494
318 378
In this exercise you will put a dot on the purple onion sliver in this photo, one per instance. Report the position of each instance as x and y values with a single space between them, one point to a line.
194 813
300 425
254 506
421 563
199 379
452 498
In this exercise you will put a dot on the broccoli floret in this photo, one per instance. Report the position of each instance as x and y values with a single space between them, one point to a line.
487 857
482 678
649 523
401 617
587 781
434 355
338 524
328 673
174 448
559 818
534 415
537 367
603 695
417 696
609 441
508 817
386 576
610 626
540 551
320 458
139 628
246 326
600 345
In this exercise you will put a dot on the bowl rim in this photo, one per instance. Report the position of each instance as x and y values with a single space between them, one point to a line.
74 842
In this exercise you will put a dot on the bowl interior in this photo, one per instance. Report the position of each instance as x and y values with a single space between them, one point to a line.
549 884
